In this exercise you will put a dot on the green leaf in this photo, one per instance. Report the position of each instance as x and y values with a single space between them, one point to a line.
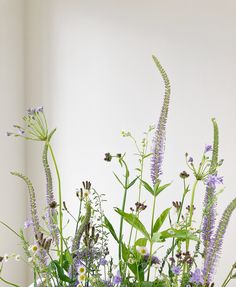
141 242
134 221
147 187
60 272
109 226
174 233
147 155
133 267
158 189
132 182
160 220
119 180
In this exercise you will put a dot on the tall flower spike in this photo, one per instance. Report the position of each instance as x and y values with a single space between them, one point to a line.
50 198
209 212
160 134
34 214
77 239
214 252
209 218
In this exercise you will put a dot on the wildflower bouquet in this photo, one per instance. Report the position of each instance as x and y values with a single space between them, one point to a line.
83 259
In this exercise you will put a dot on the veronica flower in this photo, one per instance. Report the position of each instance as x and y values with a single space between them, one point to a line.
209 218
214 250
51 211
176 270
213 179
117 280
196 277
160 134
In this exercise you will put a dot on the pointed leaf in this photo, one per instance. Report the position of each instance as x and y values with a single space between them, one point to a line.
132 182
119 180
147 187
160 220
134 221
159 189
109 226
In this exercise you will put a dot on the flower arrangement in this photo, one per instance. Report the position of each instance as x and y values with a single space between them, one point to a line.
84 260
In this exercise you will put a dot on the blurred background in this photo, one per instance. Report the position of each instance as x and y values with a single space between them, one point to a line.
89 64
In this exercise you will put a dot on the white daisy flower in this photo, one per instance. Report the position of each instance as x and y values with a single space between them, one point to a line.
82 277
81 269
142 250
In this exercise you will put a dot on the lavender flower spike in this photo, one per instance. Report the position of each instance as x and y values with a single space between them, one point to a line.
214 250
209 218
34 214
160 134
51 212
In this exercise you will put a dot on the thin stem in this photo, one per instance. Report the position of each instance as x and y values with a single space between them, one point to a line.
8 282
191 210
8 227
60 201
123 209
228 278
151 243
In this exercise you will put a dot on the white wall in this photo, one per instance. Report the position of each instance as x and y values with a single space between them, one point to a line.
89 63
12 156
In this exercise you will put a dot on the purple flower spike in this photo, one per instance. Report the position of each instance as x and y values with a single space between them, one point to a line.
117 278
213 180
176 270
196 277
160 134
208 148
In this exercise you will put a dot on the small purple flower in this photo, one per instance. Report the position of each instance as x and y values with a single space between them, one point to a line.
213 180
21 132
28 223
190 159
176 270
103 261
39 109
31 111
117 278
208 148
155 260
196 277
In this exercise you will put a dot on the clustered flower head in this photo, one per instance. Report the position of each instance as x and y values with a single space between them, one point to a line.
35 126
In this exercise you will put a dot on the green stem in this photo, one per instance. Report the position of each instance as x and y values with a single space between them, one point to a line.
8 282
151 243
123 209
228 278
8 227
60 201
191 210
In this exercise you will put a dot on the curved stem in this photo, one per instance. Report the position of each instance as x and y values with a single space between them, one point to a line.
8 282
60 201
